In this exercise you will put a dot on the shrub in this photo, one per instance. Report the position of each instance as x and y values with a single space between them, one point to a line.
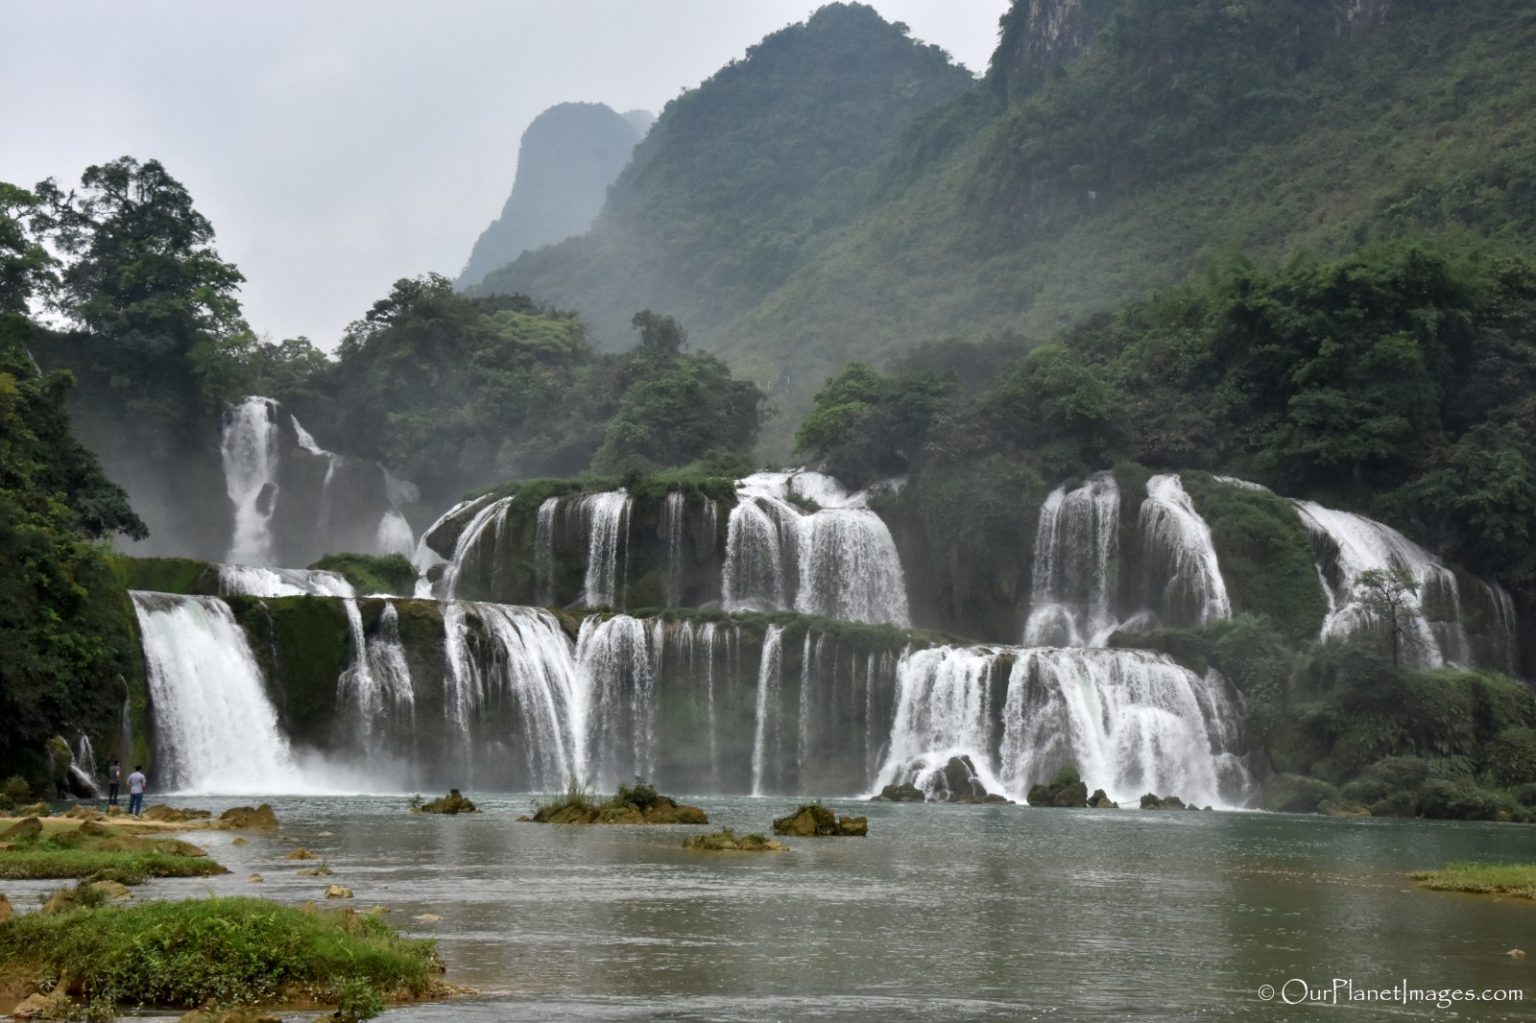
1294 794
1511 756
1456 800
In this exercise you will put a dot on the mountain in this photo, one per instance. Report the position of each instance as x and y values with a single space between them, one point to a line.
744 177
1113 147
568 157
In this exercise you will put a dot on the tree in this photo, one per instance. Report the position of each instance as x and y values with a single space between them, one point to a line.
865 426
144 282
1390 597
661 338
25 266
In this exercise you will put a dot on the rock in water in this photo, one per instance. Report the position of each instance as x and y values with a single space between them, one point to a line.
1066 789
1100 801
813 819
1151 801
243 817
337 891
454 802
903 793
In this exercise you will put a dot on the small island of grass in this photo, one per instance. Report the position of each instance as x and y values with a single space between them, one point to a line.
1516 879
725 840
187 955
34 849
632 804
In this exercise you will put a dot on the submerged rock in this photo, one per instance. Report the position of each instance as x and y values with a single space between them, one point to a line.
301 854
245 817
40 1006
1101 801
726 840
1151 801
337 891
650 809
814 820
454 802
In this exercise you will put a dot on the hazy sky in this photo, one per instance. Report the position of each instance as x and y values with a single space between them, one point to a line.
337 146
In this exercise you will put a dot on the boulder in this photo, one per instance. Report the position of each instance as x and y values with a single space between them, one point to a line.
1066 789
337 891
1151 801
87 813
114 890
454 802
1100 801
22 829
96 829
35 810
725 840
243 817
301 854
41 1006
813 819
906 792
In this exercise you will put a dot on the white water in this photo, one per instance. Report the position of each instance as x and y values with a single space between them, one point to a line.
544 550
526 669
255 581
1436 632
769 681
1074 574
394 535
249 452
838 561
607 520
672 514
1179 554
618 717
943 700
491 516
216 727
83 768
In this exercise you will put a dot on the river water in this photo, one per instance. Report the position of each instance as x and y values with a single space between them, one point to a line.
942 913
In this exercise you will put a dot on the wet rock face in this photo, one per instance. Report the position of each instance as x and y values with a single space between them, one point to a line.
1066 789
903 793
453 803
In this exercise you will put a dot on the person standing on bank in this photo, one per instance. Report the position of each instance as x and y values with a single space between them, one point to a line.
114 781
136 783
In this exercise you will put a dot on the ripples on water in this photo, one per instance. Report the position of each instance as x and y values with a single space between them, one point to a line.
943 913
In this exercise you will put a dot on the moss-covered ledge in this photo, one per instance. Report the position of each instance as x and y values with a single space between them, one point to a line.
167 575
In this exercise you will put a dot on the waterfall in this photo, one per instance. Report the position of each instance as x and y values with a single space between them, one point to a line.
544 550
672 514
707 635
217 730
943 702
838 561
618 720
1074 575
1180 557
492 516
607 519
769 681
249 452
1354 545
376 686
1130 721
83 770
394 535
513 695
254 581
849 568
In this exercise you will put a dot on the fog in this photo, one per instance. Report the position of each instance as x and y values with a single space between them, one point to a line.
339 146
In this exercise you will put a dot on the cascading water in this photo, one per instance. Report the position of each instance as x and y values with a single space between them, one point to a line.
544 550
769 734
216 728
1184 579
1351 545
1130 721
376 687
490 519
1074 577
82 770
249 451
394 535
514 696
254 581
607 519
672 513
616 662
943 704
838 561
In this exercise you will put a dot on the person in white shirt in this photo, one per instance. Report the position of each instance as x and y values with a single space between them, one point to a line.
136 783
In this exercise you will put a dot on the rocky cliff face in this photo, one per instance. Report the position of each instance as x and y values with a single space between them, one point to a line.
569 156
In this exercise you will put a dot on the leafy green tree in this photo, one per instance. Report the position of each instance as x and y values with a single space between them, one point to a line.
26 268
866 426
1390 598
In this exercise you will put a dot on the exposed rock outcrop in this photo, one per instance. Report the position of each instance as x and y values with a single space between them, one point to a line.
815 820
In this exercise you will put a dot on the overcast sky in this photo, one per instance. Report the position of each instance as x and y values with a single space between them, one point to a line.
338 146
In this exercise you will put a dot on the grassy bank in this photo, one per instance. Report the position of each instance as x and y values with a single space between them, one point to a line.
98 850
1517 879
185 955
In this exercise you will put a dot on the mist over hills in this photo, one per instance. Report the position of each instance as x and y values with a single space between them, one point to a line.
803 208
567 158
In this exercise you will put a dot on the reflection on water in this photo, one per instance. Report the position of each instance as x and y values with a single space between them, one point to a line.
943 913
